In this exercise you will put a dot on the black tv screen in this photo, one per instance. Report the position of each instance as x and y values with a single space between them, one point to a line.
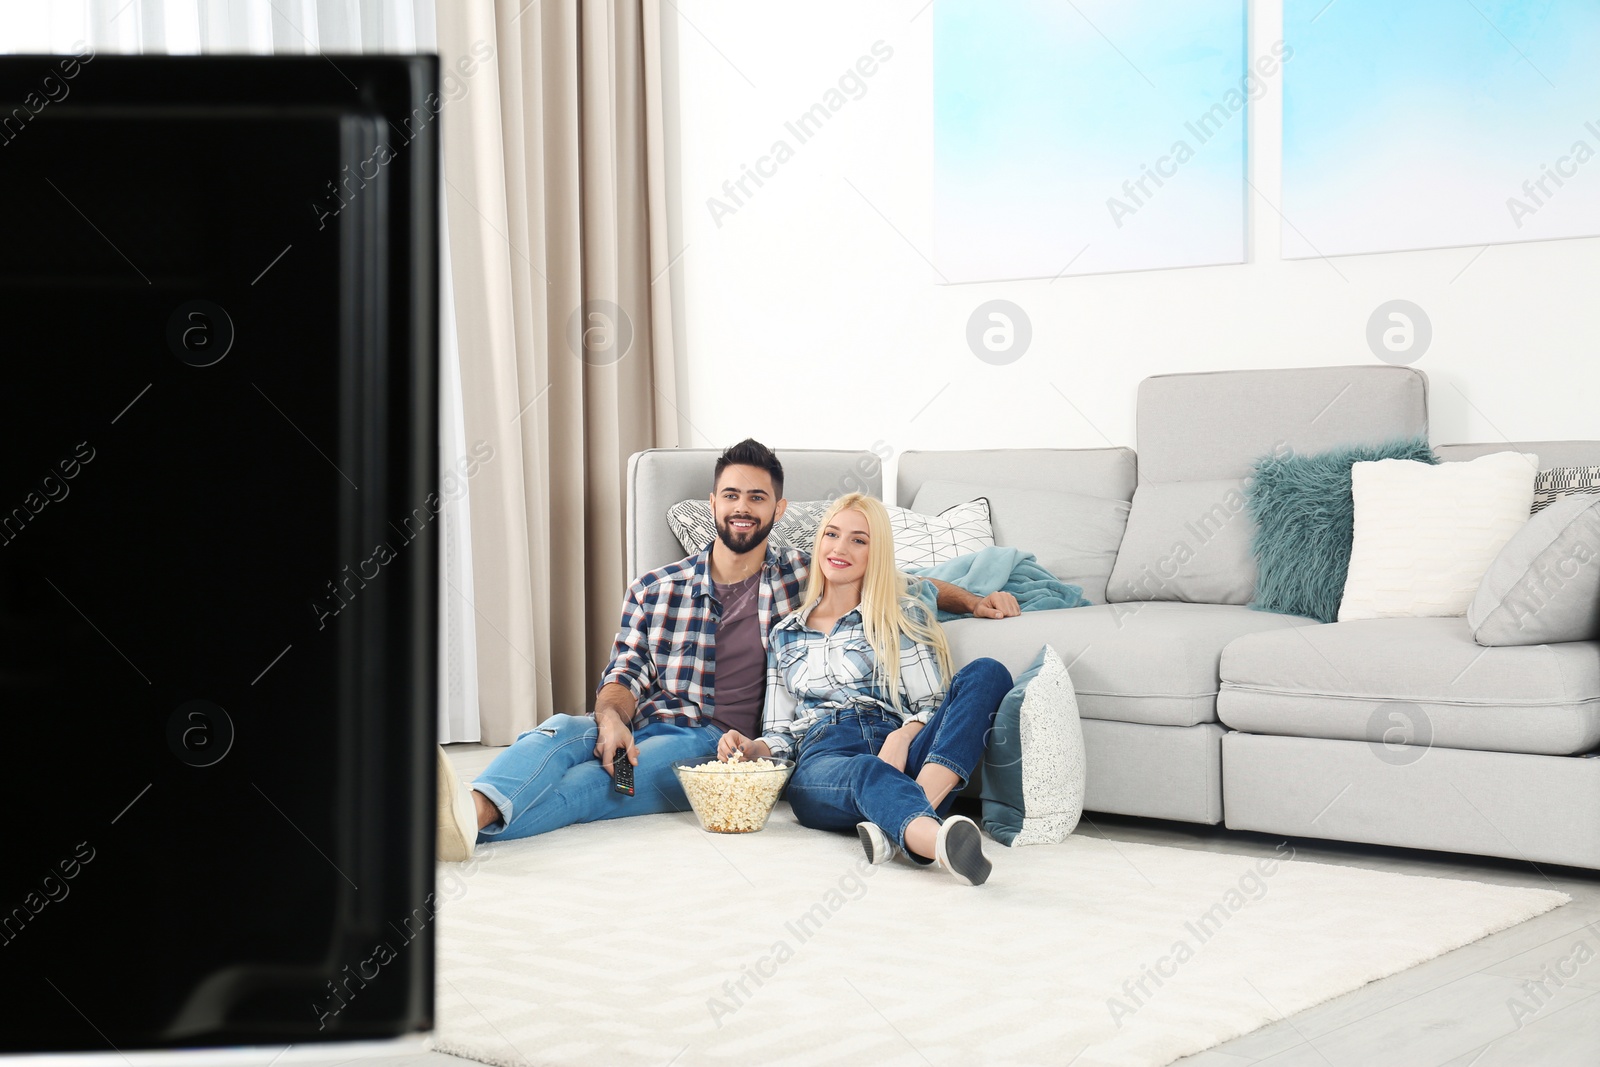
218 607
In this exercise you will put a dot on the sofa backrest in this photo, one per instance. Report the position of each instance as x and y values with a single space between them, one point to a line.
1550 453
1104 472
660 477
1198 435
1067 506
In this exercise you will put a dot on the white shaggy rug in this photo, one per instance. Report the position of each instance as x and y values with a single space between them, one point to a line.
647 941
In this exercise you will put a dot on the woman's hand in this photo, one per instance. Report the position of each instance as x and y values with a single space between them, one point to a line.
897 746
733 741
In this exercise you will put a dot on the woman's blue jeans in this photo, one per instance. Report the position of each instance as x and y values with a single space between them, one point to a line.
839 780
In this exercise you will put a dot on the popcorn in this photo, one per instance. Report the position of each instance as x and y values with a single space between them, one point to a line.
734 797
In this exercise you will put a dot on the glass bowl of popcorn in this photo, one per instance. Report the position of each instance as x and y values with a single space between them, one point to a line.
732 796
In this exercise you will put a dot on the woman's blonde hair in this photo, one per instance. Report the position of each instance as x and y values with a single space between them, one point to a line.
888 611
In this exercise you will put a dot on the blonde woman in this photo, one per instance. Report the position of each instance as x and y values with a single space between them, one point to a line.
861 689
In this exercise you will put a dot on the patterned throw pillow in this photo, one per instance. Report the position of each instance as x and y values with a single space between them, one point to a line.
1553 484
919 540
925 540
690 522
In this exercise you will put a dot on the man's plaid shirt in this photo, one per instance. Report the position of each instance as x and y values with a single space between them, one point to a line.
666 649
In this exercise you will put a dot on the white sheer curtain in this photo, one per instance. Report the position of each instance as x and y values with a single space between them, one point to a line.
305 27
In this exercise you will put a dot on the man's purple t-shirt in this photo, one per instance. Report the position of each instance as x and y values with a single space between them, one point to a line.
741 679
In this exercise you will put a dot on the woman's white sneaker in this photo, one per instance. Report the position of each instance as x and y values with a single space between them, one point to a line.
959 849
875 843
457 832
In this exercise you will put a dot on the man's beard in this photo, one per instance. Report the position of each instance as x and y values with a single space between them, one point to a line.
742 542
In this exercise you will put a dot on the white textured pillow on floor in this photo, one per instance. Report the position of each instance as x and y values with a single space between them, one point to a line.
1425 535
1033 769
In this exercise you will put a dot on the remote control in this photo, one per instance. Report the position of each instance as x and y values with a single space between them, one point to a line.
621 772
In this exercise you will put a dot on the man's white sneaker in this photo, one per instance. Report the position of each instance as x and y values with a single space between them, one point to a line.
458 815
875 843
959 849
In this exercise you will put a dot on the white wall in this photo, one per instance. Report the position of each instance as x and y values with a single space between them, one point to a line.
812 317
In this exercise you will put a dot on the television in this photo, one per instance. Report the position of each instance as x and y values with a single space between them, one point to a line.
218 501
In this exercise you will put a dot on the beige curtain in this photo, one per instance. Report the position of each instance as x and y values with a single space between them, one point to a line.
554 172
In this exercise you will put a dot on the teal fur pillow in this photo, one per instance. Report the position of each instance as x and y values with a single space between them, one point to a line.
1305 523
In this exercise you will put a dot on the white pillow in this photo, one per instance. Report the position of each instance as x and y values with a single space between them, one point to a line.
1425 535
919 540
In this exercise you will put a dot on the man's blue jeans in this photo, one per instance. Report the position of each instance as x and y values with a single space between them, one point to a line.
839 780
550 776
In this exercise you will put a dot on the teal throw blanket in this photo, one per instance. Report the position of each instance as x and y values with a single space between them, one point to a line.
1009 570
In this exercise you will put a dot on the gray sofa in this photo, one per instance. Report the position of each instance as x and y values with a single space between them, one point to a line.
1196 707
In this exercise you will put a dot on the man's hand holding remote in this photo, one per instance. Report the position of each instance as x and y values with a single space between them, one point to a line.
613 716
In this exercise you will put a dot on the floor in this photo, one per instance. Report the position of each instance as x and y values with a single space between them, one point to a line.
1455 1010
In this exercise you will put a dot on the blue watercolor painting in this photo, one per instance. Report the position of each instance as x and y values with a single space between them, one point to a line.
1439 123
1090 137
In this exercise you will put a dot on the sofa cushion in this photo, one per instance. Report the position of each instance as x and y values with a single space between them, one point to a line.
1073 536
1187 541
1150 662
1200 435
1417 680
1545 583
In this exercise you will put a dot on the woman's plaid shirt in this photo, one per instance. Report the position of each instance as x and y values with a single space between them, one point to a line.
810 674
666 649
